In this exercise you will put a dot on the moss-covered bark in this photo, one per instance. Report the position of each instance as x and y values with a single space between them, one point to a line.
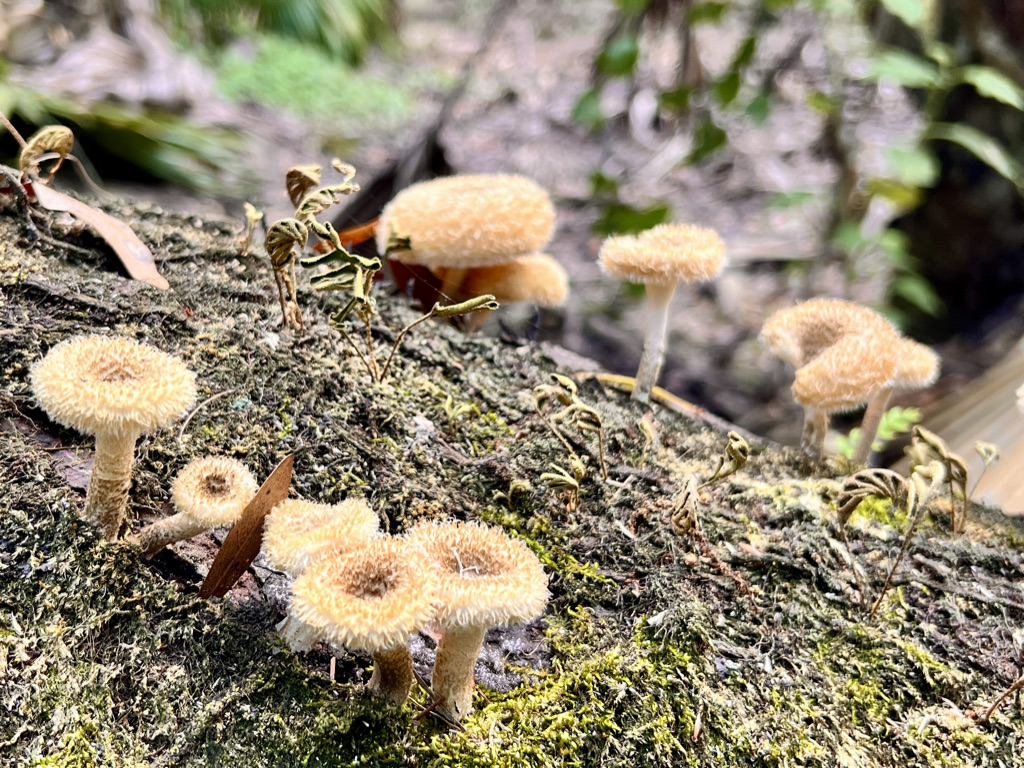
647 655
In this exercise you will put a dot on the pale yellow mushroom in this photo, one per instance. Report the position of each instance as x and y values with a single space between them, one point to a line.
661 258
116 389
485 579
371 599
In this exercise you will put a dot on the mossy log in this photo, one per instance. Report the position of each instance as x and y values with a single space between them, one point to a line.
757 651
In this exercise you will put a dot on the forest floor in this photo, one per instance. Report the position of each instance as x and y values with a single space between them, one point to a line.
756 650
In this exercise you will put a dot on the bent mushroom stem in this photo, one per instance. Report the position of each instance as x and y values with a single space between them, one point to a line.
815 428
393 675
452 682
107 496
869 425
177 527
659 296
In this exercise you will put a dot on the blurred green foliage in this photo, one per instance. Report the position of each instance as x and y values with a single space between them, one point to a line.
343 29
712 106
289 75
895 422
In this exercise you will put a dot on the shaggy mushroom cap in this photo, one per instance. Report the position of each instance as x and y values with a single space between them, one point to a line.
917 365
668 253
298 533
112 384
213 491
370 599
485 578
537 278
468 221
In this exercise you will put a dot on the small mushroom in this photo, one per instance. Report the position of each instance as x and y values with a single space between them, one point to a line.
661 258
917 367
298 533
371 599
485 579
844 355
208 492
116 389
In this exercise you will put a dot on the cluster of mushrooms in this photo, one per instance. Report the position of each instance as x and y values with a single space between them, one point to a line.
353 586
367 591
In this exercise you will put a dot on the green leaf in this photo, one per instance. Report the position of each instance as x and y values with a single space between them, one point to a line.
794 199
744 54
918 292
848 237
994 84
904 196
602 185
707 13
677 99
758 108
904 68
987 149
619 56
726 89
707 139
620 218
913 165
587 111
632 8
821 102
910 12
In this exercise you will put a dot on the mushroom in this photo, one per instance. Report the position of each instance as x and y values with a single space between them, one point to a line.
485 579
917 367
536 278
457 224
661 258
116 389
844 355
208 492
371 599
298 533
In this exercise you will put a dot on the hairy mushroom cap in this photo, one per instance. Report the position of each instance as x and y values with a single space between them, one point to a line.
537 278
668 253
917 365
468 221
485 578
843 352
369 599
111 384
298 533
213 491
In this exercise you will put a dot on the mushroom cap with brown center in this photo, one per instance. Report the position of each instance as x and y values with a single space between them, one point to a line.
667 254
369 599
537 278
468 221
298 533
214 490
113 385
485 578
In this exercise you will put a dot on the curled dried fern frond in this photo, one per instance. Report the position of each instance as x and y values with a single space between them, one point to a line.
299 179
52 140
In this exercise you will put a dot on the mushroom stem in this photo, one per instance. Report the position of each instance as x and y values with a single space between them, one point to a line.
815 429
869 425
451 279
155 537
452 682
393 675
107 495
299 635
659 296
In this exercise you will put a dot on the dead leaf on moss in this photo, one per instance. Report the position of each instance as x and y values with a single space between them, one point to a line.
132 252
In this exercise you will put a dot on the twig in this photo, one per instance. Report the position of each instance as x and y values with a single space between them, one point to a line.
1005 694
206 402
359 352
401 335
